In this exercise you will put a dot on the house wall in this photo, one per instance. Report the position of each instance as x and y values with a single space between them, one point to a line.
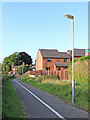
13 69
39 61
51 64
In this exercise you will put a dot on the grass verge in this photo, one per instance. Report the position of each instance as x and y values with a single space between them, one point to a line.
62 89
11 106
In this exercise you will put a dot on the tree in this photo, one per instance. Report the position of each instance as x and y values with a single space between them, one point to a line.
16 58
7 63
25 69
0 67
0 70
19 70
25 58
7 68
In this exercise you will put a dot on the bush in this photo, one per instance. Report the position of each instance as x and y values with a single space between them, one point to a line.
51 77
19 70
85 58
75 59
5 76
36 73
26 76
80 72
11 76
39 79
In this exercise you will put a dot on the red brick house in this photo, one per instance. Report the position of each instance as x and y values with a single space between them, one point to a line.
77 53
52 60
14 69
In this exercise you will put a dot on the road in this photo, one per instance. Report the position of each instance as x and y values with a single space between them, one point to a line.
39 104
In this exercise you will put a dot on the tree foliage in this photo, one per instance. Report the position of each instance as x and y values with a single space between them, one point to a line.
17 59
25 58
0 67
0 70
25 69
7 63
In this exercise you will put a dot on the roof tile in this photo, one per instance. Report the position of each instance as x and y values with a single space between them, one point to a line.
53 53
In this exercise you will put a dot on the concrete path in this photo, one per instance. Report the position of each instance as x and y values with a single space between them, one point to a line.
39 104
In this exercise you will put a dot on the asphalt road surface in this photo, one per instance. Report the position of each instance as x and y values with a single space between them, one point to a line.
39 104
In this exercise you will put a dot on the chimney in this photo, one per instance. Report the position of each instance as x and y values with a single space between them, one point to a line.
23 63
12 64
68 52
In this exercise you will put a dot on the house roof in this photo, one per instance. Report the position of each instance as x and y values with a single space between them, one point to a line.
63 55
78 52
61 64
53 53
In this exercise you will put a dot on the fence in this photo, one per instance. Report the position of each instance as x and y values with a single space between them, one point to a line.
61 74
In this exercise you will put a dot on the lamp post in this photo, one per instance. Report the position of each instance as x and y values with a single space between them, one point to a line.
73 81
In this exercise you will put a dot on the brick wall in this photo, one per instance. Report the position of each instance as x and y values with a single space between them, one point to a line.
39 61
51 64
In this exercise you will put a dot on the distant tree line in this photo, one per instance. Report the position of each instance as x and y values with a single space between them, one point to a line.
0 70
17 59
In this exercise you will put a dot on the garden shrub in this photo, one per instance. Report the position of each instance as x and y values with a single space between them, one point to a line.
80 71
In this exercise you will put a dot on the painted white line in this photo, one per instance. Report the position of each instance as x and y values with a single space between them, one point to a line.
55 112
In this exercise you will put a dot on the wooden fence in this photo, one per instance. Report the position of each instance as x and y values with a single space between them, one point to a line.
61 74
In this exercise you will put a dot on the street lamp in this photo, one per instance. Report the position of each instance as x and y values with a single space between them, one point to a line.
73 81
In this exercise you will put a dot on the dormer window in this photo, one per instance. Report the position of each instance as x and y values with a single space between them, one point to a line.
49 60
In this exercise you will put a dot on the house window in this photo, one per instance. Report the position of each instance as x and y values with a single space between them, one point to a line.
49 60
48 68
57 60
13 69
59 68
14 73
65 60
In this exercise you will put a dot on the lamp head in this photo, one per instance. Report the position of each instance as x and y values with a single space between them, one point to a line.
68 16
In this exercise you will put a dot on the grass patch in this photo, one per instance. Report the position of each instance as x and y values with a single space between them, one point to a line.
62 89
11 106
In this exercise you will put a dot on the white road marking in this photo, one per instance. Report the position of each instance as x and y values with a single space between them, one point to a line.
55 112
